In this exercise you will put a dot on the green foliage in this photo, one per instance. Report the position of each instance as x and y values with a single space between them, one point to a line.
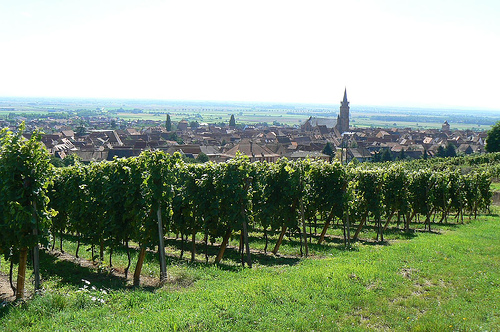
386 155
493 139
174 137
232 192
202 158
72 159
441 152
24 174
369 185
281 187
168 123
111 203
450 150
81 128
232 121
158 171
402 155
326 188
328 150
56 161
395 190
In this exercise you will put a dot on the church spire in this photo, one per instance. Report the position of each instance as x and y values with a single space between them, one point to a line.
343 118
344 101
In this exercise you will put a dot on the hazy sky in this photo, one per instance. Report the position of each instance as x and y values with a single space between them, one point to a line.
390 52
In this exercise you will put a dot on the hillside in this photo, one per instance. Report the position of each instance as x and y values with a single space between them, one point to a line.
431 282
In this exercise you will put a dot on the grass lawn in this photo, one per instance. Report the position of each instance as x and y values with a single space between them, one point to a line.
449 281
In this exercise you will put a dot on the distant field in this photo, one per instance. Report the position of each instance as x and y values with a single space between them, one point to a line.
249 117
284 117
367 122
252 113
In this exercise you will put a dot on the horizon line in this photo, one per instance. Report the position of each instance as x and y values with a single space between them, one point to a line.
214 101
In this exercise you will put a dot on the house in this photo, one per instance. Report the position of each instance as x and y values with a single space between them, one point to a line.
253 150
308 155
361 154
182 125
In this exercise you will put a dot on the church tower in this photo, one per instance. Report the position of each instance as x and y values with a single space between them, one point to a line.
343 118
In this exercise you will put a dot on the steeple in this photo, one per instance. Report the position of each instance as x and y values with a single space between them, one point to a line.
343 118
344 101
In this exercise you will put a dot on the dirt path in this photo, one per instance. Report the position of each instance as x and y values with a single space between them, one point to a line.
6 294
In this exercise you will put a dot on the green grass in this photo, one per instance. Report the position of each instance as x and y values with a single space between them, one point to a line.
430 282
495 186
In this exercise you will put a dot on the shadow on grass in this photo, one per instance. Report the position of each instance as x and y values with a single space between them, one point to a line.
232 257
72 273
267 259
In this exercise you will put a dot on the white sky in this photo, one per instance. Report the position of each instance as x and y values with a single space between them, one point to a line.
432 53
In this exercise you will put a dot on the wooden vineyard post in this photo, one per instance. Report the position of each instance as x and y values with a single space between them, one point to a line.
348 226
36 261
245 240
36 252
304 234
193 244
161 246
128 257
245 227
380 229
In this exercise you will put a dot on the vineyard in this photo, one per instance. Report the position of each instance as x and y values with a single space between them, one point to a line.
134 203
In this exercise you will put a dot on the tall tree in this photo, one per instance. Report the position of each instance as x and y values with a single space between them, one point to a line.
328 150
168 123
202 158
493 139
450 150
441 152
232 121
402 155
386 155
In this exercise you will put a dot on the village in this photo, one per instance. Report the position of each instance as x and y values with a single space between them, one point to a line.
324 138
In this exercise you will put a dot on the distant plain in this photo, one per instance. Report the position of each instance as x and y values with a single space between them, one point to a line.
251 112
